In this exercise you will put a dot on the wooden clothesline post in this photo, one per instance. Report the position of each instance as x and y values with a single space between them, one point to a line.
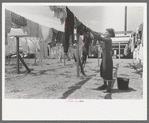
6 40
18 55
98 57
64 60
77 52
17 50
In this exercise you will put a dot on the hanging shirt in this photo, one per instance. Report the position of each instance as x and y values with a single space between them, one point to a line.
8 20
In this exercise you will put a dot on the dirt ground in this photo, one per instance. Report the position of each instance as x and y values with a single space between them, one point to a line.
53 80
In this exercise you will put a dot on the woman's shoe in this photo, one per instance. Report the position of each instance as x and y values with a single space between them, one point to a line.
103 87
108 87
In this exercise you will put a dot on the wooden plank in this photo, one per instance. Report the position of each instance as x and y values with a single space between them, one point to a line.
24 64
18 36
64 60
98 58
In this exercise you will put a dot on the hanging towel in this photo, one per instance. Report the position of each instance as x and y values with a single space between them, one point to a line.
8 20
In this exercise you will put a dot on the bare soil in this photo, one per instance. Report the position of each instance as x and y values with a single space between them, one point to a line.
53 80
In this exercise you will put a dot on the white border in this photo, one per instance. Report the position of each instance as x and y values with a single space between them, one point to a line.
38 109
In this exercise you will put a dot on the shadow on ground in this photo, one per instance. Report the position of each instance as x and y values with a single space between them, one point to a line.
74 88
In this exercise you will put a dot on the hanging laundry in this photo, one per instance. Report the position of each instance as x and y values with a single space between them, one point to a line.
47 35
59 37
132 44
141 32
76 22
12 45
13 25
87 41
25 46
59 12
8 20
141 53
136 35
80 29
126 50
32 29
41 54
69 29
53 41
35 42
18 20
55 33
6 40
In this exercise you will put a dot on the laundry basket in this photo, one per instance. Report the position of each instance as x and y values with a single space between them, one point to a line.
123 83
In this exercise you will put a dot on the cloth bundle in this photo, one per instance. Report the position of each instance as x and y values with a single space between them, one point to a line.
59 12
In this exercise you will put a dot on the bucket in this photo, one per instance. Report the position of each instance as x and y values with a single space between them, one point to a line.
112 84
122 83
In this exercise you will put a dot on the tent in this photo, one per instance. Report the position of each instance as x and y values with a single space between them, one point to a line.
25 42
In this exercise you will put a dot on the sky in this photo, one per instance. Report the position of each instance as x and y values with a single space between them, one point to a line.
98 18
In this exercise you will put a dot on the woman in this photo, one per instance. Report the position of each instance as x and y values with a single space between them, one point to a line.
106 68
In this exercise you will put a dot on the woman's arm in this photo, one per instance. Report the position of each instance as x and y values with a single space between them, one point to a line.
98 35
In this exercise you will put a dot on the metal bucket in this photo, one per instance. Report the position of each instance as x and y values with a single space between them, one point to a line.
123 83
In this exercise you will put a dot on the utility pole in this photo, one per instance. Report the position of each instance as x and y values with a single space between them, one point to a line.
125 26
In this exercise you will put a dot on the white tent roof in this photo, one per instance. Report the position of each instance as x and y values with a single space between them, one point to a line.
39 14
